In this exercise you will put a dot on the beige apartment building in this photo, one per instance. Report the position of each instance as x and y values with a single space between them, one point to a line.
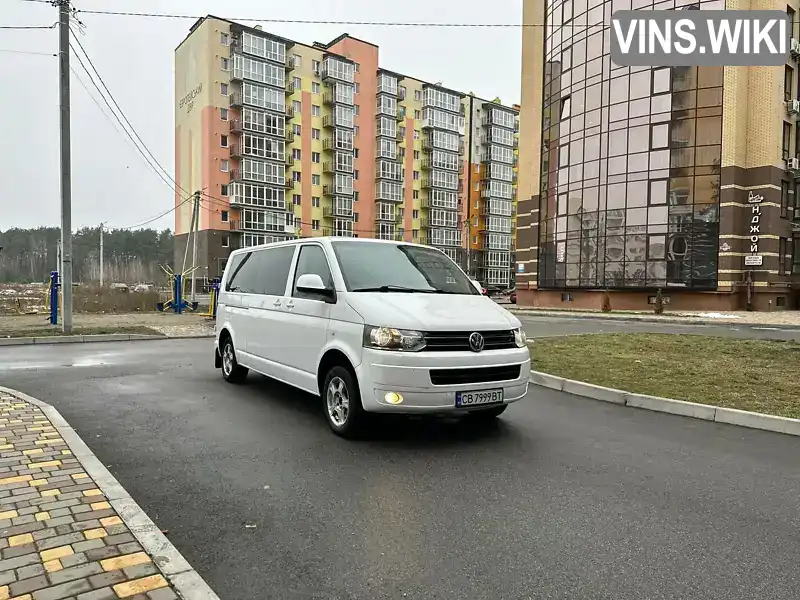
287 139
634 179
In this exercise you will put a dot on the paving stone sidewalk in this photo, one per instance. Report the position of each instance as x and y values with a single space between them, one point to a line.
59 536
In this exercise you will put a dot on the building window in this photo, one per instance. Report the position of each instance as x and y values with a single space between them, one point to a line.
796 256
565 106
355 174
315 89
788 77
224 39
296 176
416 134
355 196
416 154
355 131
223 190
223 114
355 153
296 199
787 140
786 199
417 114
296 129
357 87
298 60
223 141
315 180
315 110
415 194
296 106
785 256
223 89
415 174
224 216
298 83
315 66
417 95
315 134
415 214
315 157
224 166
314 224
315 201
225 63
297 154
226 241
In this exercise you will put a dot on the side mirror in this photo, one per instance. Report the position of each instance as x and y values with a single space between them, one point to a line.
477 286
311 283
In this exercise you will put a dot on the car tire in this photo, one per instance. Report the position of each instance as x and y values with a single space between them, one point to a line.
232 371
488 414
341 401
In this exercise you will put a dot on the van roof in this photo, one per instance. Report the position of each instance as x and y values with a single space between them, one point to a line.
326 239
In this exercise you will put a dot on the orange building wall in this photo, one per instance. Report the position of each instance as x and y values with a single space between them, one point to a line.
366 55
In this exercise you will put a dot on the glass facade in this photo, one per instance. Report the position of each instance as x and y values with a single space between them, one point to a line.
630 160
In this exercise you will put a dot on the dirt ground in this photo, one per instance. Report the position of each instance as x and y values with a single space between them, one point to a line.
168 324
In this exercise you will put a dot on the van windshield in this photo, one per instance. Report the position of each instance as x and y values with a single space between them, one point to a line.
377 267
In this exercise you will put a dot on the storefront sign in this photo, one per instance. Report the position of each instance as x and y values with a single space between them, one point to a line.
754 200
753 260
520 267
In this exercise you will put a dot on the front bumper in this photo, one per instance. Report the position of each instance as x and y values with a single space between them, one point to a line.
408 374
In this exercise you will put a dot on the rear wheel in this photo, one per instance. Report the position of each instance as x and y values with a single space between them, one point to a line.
488 414
341 400
231 370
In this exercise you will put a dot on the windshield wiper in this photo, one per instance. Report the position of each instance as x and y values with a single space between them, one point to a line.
395 288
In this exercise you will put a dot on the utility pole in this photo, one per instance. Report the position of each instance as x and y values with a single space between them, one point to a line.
66 176
101 253
196 222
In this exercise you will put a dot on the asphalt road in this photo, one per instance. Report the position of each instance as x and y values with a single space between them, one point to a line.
548 326
564 498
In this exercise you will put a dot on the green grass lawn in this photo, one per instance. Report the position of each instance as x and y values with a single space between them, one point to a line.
756 375
56 331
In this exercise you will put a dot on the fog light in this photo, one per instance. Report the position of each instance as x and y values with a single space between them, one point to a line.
393 398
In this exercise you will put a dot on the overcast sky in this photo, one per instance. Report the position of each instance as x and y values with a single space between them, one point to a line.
134 55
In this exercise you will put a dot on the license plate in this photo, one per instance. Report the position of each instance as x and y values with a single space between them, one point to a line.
479 397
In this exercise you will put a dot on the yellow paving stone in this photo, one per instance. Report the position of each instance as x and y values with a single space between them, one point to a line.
94 492
79 476
46 463
53 565
54 553
4 593
37 482
100 505
51 492
44 442
122 562
93 534
15 479
42 516
8 514
19 540
7 447
25 597
66 452
109 521
33 451
3 420
140 586
15 422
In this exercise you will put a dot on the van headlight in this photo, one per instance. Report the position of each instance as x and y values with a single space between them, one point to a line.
389 338
520 339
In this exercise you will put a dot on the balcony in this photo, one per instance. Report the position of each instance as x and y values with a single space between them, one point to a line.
427 164
289 136
427 145
235 150
385 217
329 98
289 112
289 182
290 89
235 100
289 160
337 211
329 167
328 121
289 65
328 143
401 114
423 223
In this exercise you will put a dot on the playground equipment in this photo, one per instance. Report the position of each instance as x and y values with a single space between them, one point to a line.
54 286
212 303
177 304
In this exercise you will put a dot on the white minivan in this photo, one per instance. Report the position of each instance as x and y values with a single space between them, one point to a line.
371 326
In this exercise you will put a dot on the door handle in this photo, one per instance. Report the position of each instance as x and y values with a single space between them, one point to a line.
290 305
277 303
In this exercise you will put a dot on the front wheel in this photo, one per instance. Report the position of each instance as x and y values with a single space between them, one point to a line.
232 371
342 402
488 414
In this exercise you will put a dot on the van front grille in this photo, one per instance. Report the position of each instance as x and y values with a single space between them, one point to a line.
472 375
458 341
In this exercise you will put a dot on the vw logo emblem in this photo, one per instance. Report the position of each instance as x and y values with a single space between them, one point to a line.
476 342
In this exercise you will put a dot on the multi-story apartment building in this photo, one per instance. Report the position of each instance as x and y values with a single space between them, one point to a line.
285 139
635 179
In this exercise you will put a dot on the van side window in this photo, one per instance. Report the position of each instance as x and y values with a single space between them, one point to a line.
312 260
233 284
271 270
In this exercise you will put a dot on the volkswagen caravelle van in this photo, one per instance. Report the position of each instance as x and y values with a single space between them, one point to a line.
370 326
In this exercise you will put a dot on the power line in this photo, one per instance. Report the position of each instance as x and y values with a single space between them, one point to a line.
28 27
29 53
316 22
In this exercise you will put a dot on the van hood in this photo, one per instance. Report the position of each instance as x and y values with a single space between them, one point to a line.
431 312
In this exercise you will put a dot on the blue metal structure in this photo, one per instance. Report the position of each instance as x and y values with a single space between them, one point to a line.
54 285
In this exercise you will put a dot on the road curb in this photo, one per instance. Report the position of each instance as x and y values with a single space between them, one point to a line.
705 412
173 566
87 339
647 319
